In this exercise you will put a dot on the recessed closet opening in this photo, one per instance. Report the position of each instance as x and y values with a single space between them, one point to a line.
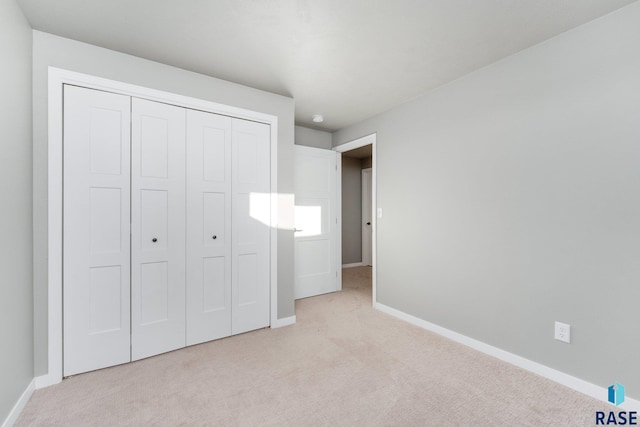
162 227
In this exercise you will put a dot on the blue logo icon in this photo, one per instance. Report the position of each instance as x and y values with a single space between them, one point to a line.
616 393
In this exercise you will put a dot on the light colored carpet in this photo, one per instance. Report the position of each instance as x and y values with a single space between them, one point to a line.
342 364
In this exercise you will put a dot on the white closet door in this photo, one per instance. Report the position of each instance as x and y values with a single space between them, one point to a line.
96 230
251 222
208 227
158 228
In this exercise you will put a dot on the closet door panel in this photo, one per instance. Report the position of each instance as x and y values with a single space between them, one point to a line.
154 292
214 219
251 223
96 263
214 297
208 226
154 146
154 221
158 228
248 280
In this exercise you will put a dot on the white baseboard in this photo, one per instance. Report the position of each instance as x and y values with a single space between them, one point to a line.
20 404
286 321
46 380
355 264
584 387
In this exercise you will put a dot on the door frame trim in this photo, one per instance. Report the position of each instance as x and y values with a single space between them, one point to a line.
56 79
348 146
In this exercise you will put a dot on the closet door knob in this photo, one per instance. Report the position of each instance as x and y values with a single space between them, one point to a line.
214 237
154 240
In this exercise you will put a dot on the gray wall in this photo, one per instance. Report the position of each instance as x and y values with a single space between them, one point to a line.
16 287
49 50
511 199
313 138
351 210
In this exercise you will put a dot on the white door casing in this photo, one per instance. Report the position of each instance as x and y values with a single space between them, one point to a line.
158 228
352 145
251 221
367 216
315 243
208 226
96 229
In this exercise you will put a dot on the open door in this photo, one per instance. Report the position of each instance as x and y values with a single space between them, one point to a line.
315 221
367 221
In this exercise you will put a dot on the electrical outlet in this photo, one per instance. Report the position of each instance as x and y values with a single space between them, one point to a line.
563 332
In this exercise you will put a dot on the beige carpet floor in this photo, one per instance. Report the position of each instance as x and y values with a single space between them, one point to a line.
342 364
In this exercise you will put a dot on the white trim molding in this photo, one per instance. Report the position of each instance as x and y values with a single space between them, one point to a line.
58 78
582 386
20 404
353 264
285 321
46 380
356 143
348 146
338 233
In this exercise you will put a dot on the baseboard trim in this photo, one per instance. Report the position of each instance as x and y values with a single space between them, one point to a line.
582 386
354 264
286 321
46 380
20 404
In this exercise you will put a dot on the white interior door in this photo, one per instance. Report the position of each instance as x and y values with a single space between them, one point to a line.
366 218
158 228
208 226
315 221
251 221
96 259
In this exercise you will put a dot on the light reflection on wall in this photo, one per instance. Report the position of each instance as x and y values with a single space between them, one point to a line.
272 209
260 207
309 220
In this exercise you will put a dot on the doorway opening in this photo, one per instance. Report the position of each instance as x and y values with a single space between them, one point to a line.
358 212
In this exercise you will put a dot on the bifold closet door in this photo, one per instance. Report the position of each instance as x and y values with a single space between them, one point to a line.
96 230
208 226
158 228
251 222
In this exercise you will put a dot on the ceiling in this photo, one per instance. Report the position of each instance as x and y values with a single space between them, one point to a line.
344 59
